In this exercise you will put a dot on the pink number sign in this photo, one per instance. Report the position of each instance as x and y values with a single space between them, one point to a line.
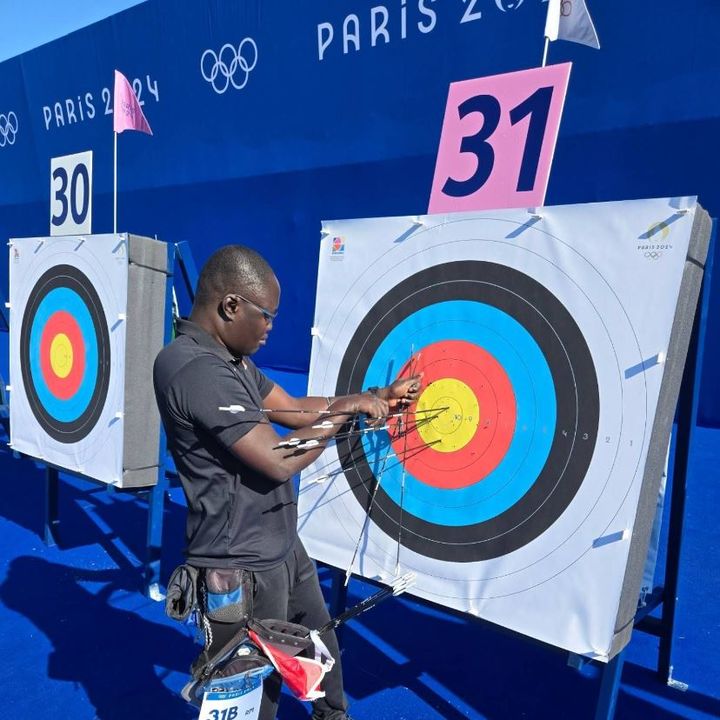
498 140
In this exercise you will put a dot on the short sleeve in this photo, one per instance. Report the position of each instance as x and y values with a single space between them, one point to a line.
263 382
207 384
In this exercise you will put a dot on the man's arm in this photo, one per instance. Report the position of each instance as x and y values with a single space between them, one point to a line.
402 391
278 399
260 448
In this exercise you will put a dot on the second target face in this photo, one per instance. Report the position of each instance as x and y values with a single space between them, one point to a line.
65 354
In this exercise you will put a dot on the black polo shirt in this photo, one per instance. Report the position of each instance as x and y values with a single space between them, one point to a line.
237 517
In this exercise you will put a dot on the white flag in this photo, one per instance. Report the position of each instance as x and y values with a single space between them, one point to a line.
570 20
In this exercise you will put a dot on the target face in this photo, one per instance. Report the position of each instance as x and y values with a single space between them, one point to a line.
65 354
67 342
510 486
477 473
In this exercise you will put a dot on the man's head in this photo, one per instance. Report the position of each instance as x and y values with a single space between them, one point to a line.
236 299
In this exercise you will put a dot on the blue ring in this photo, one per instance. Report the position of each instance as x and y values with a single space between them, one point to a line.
69 410
536 414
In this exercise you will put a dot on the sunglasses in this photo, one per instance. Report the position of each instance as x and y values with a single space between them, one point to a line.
267 315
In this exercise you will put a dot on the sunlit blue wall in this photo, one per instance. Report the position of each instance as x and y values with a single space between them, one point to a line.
340 114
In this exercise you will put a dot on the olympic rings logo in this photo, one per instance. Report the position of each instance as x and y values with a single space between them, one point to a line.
566 8
223 69
8 128
653 255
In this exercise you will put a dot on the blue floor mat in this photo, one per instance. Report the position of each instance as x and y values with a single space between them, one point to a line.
80 641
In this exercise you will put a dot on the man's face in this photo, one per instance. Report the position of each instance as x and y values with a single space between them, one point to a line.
249 326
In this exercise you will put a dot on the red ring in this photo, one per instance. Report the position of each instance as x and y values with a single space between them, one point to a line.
478 369
62 322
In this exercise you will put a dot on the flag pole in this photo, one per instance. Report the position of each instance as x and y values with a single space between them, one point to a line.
115 183
552 26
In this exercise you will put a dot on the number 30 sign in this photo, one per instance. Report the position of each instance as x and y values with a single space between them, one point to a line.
498 140
71 194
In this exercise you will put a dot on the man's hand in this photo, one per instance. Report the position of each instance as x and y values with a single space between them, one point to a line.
403 391
372 405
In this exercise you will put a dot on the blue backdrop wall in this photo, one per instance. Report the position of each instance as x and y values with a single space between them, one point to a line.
339 115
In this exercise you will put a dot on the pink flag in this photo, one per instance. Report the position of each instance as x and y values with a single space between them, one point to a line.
128 114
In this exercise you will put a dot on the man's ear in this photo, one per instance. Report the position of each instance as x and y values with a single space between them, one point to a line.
228 307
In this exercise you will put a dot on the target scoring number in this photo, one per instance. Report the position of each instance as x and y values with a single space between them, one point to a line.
71 194
498 139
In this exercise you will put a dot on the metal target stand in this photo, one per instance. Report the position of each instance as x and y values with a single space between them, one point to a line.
184 270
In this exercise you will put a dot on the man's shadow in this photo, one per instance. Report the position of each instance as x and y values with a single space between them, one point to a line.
112 653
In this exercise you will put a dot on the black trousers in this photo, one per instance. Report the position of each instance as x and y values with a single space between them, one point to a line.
291 592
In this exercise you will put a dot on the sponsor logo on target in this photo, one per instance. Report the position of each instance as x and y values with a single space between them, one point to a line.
231 66
337 248
8 128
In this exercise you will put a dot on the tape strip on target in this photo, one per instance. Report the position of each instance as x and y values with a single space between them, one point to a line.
508 364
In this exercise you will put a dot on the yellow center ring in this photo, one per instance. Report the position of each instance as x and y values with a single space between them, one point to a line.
61 355
454 427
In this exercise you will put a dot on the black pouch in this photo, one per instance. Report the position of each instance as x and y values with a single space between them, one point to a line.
182 595
227 595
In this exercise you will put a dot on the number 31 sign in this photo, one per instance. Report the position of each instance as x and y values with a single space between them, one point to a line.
498 140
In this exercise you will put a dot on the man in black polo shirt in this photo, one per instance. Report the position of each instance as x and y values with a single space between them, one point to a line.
242 510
